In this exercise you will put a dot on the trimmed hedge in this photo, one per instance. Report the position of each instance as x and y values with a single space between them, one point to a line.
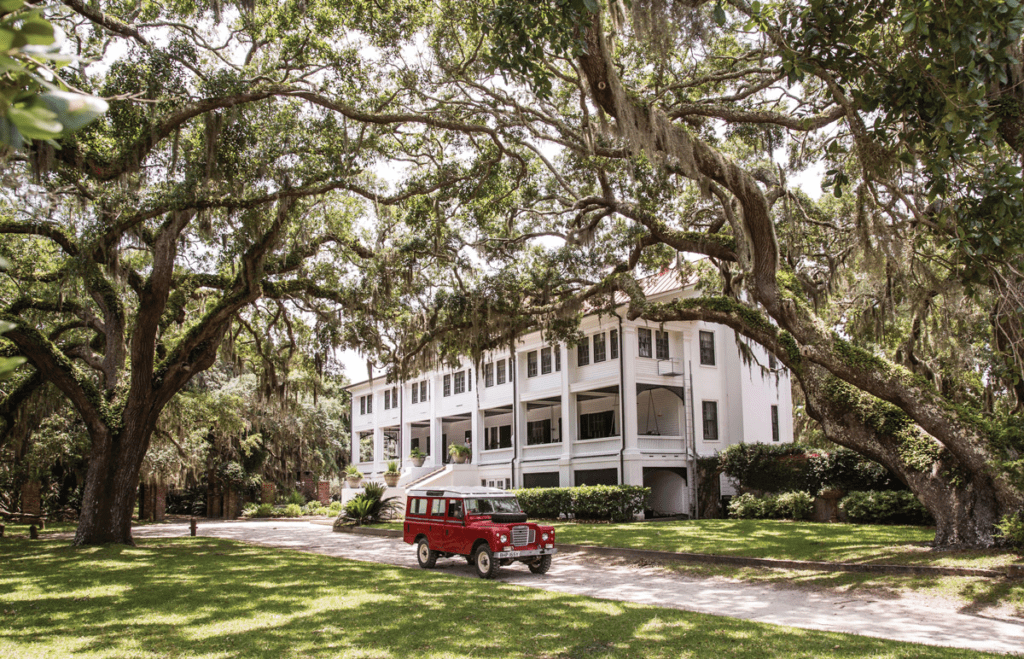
789 467
885 507
615 503
788 505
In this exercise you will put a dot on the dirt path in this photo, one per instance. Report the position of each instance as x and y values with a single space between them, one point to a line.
914 620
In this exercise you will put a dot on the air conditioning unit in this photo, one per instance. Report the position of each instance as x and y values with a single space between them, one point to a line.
669 367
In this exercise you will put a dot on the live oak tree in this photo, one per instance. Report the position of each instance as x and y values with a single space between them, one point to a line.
257 151
681 124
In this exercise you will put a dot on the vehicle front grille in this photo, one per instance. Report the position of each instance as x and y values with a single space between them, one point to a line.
520 535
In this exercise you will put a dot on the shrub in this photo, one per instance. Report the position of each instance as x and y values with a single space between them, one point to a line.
264 510
545 502
845 469
370 505
249 510
795 505
335 508
292 510
616 503
1011 530
885 507
314 508
292 497
766 467
788 505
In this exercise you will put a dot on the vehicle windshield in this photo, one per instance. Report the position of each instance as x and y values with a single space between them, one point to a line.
488 506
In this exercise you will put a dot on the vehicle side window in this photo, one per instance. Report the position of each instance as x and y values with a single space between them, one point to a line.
438 508
419 506
455 508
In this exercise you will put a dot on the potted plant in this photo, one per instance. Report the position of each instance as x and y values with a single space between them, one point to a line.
392 474
417 456
460 453
353 476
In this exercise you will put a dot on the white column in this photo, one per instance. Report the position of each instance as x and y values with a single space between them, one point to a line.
632 458
476 424
568 419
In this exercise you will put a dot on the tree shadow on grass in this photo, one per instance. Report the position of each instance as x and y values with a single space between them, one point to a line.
214 597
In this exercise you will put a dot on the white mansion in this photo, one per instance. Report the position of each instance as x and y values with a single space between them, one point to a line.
632 403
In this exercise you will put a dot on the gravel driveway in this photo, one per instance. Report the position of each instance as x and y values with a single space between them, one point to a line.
916 620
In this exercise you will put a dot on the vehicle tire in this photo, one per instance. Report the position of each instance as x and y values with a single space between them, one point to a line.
469 559
426 556
541 565
483 561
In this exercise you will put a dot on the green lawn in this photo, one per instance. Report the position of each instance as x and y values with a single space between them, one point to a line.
804 541
214 598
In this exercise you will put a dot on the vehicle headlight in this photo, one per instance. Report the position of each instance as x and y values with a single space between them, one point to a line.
543 536
503 538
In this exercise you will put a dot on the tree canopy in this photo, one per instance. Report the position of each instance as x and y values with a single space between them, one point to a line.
426 180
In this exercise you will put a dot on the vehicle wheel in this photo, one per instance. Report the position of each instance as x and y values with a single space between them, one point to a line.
541 565
426 556
483 559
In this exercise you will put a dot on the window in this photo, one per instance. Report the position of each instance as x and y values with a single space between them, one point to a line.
600 352
531 364
423 391
415 393
558 359
710 410
438 508
489 374
390 444
545 360
501 372
366 446
394 396
418 507
369 404
775 423
583 352
469 380
460 382
661 344
598 424
455 508
498 437
511 370
643 337
707 348
538 432
772 362
448 385
387 399
362 404
613 343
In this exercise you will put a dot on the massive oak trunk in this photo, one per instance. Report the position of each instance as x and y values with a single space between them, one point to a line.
111 485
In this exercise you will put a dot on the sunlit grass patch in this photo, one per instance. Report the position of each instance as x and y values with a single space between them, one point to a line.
201 597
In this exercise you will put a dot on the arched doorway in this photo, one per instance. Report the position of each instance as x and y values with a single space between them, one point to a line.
669 492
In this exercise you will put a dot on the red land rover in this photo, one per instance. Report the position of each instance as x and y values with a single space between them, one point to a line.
485 525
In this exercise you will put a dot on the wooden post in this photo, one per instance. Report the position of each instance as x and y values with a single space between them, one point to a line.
192 524
33 532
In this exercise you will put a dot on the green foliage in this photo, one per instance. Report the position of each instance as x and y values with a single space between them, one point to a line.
35 104
616 503
787 505
460 450
392 467
1011 530
885 508
766 467
315 508
293 510
785 467
293 497
522 33
370 505
352 471
264 510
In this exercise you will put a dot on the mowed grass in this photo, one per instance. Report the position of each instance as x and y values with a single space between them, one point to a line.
805 541
200 597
